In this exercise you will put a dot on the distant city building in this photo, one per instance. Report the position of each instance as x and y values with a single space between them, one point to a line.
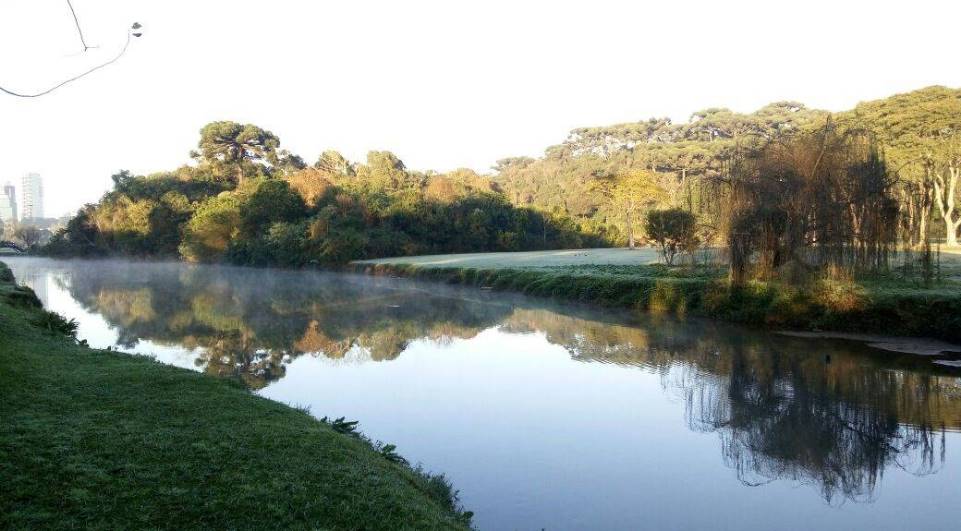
8 204
32 192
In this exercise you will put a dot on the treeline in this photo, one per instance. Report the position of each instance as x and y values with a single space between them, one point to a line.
607 178
881 176
249 202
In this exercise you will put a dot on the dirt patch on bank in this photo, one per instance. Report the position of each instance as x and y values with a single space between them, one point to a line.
906 345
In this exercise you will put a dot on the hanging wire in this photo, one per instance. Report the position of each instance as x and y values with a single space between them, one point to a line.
79 31
132 32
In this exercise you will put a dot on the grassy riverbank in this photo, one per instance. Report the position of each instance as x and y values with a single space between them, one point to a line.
97 439
881 306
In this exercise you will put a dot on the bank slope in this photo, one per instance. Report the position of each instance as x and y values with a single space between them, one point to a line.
98 439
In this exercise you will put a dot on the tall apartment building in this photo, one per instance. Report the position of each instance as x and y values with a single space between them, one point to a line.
32 192
8 204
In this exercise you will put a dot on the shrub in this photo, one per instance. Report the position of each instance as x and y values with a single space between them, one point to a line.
55 323
23 297
672 231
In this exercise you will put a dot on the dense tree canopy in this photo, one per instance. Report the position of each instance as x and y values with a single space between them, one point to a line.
247 200
915 133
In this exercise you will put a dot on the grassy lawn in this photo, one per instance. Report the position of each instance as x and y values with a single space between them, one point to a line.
536 259
581 260
97 439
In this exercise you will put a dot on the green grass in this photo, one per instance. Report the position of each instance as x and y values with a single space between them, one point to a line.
885 306
102 440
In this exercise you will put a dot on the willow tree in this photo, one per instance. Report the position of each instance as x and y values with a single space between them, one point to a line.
818 199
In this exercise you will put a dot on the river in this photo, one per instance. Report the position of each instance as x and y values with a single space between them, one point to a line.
556 416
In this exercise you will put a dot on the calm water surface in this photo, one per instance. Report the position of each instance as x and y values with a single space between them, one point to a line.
557 417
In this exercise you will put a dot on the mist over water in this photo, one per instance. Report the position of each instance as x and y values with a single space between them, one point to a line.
552 416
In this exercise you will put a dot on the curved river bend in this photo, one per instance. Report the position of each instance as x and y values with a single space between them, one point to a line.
556 417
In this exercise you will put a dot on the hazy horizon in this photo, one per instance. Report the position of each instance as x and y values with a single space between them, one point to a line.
442 86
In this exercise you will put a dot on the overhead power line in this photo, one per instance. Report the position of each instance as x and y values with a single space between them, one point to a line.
77 23
133 31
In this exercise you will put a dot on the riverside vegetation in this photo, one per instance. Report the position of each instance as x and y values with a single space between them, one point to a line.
823 220
100 439
881 305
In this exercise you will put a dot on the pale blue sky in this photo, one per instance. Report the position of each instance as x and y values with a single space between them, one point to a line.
442 84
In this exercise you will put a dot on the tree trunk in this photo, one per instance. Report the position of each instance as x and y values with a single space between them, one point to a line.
944 196
923 224
907 206
924 211
740 252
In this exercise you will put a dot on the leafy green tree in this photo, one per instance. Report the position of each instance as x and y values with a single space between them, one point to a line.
341 245
333 162
245 148
267 201
78 238
312 184
672 231
287 243
384 172
629 194
209 232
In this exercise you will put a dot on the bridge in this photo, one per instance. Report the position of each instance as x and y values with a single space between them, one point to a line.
4 244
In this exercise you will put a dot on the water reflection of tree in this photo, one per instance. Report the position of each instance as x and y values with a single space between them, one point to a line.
788 424
781 412
251 323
